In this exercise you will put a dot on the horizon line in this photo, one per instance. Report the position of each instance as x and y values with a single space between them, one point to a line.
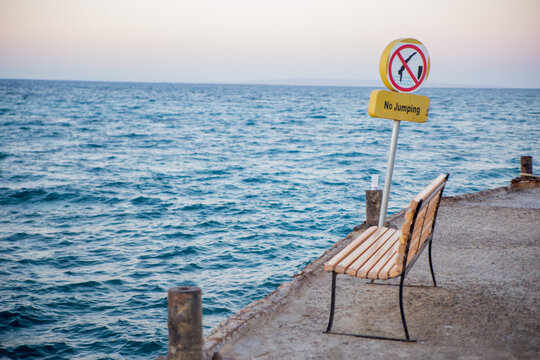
321 82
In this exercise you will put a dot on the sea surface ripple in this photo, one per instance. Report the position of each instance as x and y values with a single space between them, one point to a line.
111 193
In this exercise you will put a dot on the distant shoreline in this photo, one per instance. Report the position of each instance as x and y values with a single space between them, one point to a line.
284 82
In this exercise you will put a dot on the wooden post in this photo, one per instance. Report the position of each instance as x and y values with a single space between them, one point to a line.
185 323
373 207
526 165
526 179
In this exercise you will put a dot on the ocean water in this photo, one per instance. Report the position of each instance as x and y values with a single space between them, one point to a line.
111 193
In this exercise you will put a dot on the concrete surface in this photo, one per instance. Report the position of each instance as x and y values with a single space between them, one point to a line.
486 254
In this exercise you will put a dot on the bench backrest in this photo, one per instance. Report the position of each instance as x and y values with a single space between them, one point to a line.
417 230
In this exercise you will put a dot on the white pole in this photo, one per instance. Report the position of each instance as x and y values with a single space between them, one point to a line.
389 171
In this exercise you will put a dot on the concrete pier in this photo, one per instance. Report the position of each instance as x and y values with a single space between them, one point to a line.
486 251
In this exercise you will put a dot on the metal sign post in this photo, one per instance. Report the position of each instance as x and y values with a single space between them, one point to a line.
404 66
389 171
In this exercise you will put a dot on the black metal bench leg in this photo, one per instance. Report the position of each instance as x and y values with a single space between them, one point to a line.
332 308
431 266
332 302
401 307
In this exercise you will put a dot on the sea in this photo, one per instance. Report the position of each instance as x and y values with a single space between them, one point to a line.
112 193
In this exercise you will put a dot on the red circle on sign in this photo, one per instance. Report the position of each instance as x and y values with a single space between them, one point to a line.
417 82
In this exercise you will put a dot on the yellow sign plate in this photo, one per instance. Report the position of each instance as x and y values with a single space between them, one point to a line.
398 106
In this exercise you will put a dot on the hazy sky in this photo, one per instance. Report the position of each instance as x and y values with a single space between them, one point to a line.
485 42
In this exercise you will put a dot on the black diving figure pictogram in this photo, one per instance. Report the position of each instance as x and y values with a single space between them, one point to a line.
400 71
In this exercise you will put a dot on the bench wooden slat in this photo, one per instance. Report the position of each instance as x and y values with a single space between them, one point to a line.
400 253
431 188
330 265
351 258
395 271
406 232
419 221
416 237
407 224
417 245
379 258
421 233
361 262
384 273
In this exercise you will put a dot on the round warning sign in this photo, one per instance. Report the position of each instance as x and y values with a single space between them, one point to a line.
404 65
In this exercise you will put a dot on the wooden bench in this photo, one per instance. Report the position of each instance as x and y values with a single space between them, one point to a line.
382 253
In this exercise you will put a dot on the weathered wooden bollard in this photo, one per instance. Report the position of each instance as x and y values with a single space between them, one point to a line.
373 207
526 179
526 165
185 323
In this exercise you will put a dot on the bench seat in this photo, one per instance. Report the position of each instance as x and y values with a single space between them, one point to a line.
371 255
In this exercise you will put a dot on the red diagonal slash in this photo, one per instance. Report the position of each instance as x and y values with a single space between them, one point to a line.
407 67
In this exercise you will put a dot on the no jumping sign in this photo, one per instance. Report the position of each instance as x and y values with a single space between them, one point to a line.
404 65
